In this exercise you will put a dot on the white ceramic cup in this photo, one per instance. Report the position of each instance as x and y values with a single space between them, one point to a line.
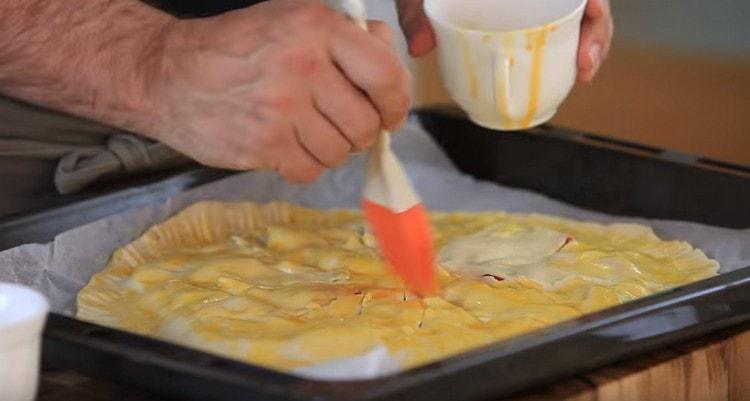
508 63
22 315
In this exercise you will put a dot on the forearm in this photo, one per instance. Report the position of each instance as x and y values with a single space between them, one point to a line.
289 85
92 58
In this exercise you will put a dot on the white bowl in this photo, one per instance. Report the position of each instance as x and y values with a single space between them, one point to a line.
22 315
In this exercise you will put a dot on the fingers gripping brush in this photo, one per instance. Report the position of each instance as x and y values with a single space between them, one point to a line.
395 212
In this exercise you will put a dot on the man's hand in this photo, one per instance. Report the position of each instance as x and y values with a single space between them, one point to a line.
289 85
596 34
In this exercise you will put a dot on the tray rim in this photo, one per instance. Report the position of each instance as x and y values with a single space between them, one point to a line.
288 386
599 141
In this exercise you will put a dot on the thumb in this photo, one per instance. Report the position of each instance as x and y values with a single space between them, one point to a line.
416 27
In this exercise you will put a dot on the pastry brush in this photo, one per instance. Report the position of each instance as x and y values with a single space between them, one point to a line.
392 207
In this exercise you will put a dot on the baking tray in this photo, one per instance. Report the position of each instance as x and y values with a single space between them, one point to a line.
582 169
64 212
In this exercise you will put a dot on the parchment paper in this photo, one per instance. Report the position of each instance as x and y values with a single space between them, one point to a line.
61 268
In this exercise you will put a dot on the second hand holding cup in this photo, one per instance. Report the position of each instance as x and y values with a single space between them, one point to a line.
508 63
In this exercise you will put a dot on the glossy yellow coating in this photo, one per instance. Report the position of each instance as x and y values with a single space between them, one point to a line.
293 287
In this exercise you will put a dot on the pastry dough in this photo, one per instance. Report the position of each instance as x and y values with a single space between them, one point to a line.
287 287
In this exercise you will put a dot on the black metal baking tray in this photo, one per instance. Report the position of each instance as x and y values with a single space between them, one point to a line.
581 169
63 212
599 173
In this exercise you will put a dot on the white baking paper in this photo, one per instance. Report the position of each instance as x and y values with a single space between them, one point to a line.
61 268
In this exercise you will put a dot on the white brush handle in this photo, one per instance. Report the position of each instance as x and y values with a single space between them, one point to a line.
355 9
386 182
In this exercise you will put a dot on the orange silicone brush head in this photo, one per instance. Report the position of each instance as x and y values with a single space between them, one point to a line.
406 244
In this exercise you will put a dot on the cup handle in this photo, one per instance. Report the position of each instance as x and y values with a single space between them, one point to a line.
501 86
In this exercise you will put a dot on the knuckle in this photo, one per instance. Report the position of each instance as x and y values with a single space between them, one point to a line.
242 162
388 74
397 121
402 102
398 109
365 129
382 30
370 140
268 137
338 156
277 98
371 122
245 158
329 149
299 59
367 140
300 173
377 25
310 12
371 125
404 108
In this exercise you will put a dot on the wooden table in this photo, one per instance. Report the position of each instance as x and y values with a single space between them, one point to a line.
715 368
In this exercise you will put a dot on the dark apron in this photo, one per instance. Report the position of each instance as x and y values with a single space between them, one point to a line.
200 8
39 147
42 149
